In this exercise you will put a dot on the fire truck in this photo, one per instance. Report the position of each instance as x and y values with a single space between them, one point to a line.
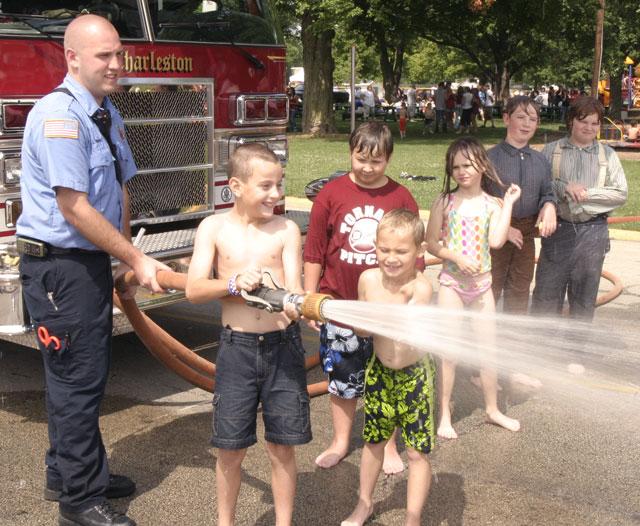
202 77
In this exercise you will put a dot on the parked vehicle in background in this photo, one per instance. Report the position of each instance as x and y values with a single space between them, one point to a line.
203 77
340 97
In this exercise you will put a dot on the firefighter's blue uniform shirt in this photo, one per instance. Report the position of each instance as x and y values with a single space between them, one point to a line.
63 147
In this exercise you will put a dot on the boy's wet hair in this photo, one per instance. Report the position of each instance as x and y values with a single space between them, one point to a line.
372 138
473 150
239 165
520 101
401 218
582 107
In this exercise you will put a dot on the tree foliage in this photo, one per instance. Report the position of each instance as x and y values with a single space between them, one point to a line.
431 63
550 41
367 57
317 19
503 38
569 61
392 28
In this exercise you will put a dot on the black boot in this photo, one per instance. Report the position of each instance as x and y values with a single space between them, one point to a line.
100 515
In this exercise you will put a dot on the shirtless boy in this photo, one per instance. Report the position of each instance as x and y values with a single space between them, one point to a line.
239 246
399 376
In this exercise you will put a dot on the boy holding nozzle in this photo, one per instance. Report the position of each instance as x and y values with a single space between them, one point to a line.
260 359
399 382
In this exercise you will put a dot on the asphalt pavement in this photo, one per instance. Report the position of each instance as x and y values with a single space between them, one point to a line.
575 462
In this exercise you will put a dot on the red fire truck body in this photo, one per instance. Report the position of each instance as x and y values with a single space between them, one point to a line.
202 77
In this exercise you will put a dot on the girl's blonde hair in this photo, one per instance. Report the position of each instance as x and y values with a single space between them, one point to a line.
473 150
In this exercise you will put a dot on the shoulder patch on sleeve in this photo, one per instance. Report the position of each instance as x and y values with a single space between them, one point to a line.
61 128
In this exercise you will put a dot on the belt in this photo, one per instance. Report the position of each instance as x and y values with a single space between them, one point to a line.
42 249
596 219
277 336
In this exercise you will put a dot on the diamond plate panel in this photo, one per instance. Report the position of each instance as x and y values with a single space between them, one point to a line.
167 241
165 193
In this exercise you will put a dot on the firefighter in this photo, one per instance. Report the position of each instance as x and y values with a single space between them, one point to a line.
76 163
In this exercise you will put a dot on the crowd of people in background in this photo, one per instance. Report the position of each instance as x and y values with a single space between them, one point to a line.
460 110
448 107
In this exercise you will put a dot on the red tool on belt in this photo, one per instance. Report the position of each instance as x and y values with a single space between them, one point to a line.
47 340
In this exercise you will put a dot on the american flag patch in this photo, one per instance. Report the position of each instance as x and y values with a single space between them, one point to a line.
61 128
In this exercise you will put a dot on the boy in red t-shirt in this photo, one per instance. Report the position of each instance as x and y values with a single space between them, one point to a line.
340 245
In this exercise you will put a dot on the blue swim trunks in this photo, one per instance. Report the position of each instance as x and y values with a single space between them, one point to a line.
344 357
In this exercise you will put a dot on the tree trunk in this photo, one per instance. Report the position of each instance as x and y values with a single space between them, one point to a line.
597 52
391 70
387 73
398 65
504 81
615 94
317 103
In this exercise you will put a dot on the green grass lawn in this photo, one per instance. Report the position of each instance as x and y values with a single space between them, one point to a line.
312 158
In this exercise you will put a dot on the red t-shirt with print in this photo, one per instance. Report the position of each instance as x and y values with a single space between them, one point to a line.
342 231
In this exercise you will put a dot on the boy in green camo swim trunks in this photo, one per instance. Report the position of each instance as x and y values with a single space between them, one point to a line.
400 398
399 381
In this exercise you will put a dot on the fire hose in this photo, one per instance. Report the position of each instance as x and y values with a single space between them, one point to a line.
182 360
201 372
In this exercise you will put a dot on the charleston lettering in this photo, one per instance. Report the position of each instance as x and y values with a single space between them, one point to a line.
157 63
361 224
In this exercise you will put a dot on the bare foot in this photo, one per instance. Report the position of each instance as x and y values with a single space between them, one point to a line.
392 462
526 380
330 457
502 420
359 516
445 430
475 380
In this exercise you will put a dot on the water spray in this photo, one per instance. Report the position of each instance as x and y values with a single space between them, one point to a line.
515 348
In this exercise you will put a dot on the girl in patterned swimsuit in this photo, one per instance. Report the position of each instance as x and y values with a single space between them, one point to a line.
465 222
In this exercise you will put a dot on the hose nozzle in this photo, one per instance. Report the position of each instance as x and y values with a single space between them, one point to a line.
274 300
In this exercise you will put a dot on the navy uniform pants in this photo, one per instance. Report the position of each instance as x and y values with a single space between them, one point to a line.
70 296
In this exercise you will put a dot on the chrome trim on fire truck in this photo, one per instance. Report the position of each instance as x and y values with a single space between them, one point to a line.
170 128
12 210
170 218
12 143
4 156
145 15
3 103
175 120
174 81
193 167
243 120
11 308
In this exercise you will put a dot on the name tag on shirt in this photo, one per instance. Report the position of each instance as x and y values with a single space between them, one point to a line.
61 128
